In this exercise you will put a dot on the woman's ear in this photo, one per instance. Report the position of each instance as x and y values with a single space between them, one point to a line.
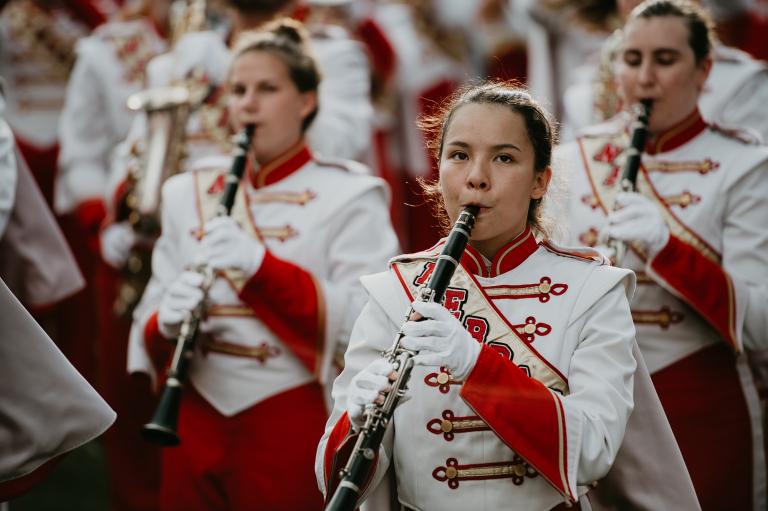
541 183
310 103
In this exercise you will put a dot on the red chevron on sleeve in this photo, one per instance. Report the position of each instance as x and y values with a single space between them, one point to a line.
523 413
290 302
702 283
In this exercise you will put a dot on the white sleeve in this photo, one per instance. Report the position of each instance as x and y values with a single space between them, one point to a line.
342 128
745 252
373 333
601 382
85 136
360 243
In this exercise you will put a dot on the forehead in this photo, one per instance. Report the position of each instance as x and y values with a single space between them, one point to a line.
487 124
669 32
258 65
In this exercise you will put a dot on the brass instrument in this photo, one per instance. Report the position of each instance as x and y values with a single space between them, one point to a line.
618 249
162 429
167 111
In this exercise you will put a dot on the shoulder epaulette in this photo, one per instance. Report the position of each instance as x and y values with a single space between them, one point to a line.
581 253
743 135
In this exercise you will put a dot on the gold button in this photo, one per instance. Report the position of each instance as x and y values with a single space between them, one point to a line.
529 328
443 378
451 472
519 470
446 426
544 288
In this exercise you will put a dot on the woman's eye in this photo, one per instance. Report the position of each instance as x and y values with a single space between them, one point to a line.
237 90
632 59
267 87
665 60
458 155
505 158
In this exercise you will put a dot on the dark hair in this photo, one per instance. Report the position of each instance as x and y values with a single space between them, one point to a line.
288 40
268 7
511 95
701 28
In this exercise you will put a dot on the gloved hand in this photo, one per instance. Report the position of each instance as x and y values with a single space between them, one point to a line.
226 246
364 389
201 51
638 220
116 242
182 296
440 340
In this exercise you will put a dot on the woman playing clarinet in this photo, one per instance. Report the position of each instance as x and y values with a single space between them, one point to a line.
522 383
698 241
287 263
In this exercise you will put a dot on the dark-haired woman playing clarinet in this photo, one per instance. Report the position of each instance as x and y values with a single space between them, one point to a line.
697 231
287 260
522 383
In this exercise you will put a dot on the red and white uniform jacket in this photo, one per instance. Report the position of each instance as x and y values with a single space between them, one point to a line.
37 54
110 66
543 412
324 225
709 284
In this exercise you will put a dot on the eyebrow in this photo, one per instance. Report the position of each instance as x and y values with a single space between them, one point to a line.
656 51
495 147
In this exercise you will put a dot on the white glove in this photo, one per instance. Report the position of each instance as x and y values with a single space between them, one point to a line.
364 389
203 51
226 246
638 220
116 242
440 340
182 296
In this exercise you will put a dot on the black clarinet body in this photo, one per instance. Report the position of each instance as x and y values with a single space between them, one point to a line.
616 248
378 417
163 427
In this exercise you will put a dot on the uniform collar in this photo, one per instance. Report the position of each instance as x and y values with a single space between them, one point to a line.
506 259
677 135
281 167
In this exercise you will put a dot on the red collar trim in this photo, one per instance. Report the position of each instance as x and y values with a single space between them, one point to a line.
281 167
677 135
506 259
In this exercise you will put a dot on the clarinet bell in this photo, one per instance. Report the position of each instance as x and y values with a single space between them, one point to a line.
162 429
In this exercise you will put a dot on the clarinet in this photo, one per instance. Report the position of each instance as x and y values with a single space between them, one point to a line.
378 417
162 429
618 249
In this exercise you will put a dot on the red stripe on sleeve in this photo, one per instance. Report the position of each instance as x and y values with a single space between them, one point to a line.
522 412
288 300
702 283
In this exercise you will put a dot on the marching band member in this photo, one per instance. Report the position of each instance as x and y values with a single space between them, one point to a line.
733 95
699 246
110 66
303 229
525 377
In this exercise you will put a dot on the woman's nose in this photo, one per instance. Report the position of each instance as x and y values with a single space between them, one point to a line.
478 177
646 73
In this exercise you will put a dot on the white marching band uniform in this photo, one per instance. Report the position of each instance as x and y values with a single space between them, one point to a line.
110 66
501 439
705 291
329 221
